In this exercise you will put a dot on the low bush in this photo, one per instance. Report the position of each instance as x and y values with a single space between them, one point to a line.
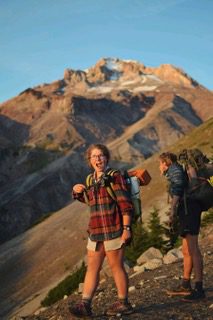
65 287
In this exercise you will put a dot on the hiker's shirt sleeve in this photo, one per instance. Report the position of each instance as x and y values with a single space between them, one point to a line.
122 195
176 180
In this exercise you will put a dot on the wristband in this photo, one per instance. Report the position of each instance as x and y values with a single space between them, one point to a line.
127 228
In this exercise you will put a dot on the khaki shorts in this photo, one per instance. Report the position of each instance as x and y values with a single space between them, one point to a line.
109 245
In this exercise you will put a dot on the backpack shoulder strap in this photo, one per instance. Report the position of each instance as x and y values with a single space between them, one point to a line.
89 180
111 172
109 186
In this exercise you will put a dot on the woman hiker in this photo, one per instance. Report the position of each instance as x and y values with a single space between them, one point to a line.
109 231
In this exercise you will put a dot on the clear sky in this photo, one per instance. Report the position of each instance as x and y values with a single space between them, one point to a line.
41 38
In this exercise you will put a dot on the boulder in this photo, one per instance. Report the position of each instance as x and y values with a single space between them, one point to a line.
151 253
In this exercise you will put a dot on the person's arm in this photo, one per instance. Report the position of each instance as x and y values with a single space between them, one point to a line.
173 210
125 205
177 185
127 231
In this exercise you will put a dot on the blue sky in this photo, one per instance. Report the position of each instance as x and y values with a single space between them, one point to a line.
41 38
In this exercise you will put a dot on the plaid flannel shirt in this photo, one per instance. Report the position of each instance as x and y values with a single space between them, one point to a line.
105 213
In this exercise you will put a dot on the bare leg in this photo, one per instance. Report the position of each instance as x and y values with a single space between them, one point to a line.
197 260
187 260
115 259
95 261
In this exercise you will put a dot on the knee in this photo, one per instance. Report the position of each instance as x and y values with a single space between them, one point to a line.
194 252
93 266
115 267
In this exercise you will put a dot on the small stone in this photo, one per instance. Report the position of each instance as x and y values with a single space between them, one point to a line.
141 283
132 288
160 277
177 277
37 312
102 281
80 287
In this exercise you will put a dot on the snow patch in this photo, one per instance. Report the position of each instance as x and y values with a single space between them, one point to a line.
112 64
144 88
133 61
115 76
101 89
129 82
62 89
153 77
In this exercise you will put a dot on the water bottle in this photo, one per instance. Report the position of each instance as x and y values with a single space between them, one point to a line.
135 188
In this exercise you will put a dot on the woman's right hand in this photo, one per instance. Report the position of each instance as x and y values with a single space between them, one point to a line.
79 188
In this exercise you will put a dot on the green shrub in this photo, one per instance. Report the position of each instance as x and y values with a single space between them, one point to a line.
139 244
65 287
143 239
156 230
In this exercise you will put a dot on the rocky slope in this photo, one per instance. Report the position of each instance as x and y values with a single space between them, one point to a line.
35 261
136 110
147 294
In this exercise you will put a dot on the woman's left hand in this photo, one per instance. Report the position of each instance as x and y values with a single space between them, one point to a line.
126 236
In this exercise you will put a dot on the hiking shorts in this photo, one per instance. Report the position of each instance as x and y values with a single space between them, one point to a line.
190 219
109 245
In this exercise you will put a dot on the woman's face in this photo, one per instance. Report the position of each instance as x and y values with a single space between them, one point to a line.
98 160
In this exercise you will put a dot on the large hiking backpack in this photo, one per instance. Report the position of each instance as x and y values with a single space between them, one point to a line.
200 187
134 179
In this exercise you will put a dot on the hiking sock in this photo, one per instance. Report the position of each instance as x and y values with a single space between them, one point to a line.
123 300
199 286
87 301
186 283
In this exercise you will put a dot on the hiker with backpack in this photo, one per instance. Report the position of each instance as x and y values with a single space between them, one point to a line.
189 212
109 231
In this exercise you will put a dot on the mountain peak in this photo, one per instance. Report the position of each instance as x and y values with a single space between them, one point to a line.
175 75
114 69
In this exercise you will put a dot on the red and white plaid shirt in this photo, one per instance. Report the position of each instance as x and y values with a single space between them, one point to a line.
106 221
